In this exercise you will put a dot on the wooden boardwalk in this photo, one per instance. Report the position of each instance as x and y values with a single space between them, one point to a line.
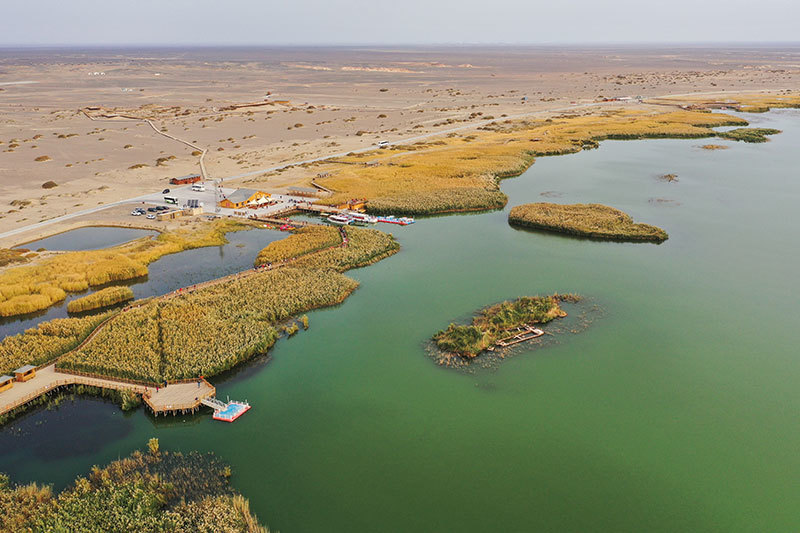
175 398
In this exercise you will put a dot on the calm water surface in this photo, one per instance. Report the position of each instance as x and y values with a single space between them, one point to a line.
675 411
166 274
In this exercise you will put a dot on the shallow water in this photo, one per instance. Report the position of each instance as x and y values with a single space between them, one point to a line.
90 238
675 411
166 274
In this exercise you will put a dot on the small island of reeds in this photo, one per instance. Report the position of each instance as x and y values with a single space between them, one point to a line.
490 326
594 221
102 298
749 135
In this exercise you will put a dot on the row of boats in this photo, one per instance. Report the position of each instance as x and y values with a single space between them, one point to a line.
362 219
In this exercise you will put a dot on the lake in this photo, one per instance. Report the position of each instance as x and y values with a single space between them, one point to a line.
674 411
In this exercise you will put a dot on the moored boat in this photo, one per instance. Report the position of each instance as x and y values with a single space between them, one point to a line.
341 220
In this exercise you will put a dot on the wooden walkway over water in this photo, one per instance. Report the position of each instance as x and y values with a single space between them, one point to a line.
175 398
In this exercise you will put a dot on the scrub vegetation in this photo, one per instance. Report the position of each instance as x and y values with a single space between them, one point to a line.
102 298
493 323
11 256
461 172
29 288
151 491
594 221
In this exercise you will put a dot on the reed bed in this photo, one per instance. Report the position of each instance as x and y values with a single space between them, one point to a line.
365 247
593 221
301 242
29 288
151 491
749 135
102 298
212 329
493 323
460 173
41 345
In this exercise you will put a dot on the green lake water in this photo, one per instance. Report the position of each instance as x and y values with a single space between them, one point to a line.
676 410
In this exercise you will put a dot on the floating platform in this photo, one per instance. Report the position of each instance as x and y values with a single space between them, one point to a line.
233 411
227 412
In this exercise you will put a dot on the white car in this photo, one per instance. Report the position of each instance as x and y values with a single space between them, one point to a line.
151 216
383 144
136 213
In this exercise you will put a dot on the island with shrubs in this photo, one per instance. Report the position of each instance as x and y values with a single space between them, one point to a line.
593 221
503 324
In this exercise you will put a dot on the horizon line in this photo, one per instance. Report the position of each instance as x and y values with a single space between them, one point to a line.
394 44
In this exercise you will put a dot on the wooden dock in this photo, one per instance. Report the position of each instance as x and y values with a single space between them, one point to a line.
176 398
522 334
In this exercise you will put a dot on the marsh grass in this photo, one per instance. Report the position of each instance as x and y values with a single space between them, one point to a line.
593 221
212 329
158 490
29 288
102 298
749 135
460 173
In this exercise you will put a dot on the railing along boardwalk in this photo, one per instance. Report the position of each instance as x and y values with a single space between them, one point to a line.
176 397
180 396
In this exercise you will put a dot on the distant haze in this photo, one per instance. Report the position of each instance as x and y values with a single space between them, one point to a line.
292 22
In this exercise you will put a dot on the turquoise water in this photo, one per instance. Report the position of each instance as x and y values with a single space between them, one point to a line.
674 411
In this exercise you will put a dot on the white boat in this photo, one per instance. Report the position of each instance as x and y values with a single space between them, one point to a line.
362 218
341 220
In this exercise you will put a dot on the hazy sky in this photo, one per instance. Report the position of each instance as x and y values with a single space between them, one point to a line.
46 22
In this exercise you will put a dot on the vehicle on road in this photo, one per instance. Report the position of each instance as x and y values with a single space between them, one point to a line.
171 200
151 217
383 144
165 191
198 187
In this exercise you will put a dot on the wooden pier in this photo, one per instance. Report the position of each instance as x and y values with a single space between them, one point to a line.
523 333
178 397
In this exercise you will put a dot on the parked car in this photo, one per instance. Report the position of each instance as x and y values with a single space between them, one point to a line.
161 208
151 217
136 213
165 191
152 209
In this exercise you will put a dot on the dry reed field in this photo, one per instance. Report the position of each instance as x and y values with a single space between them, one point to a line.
102 298
33 287
462 171
594 221
210 330
41 345
301 242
